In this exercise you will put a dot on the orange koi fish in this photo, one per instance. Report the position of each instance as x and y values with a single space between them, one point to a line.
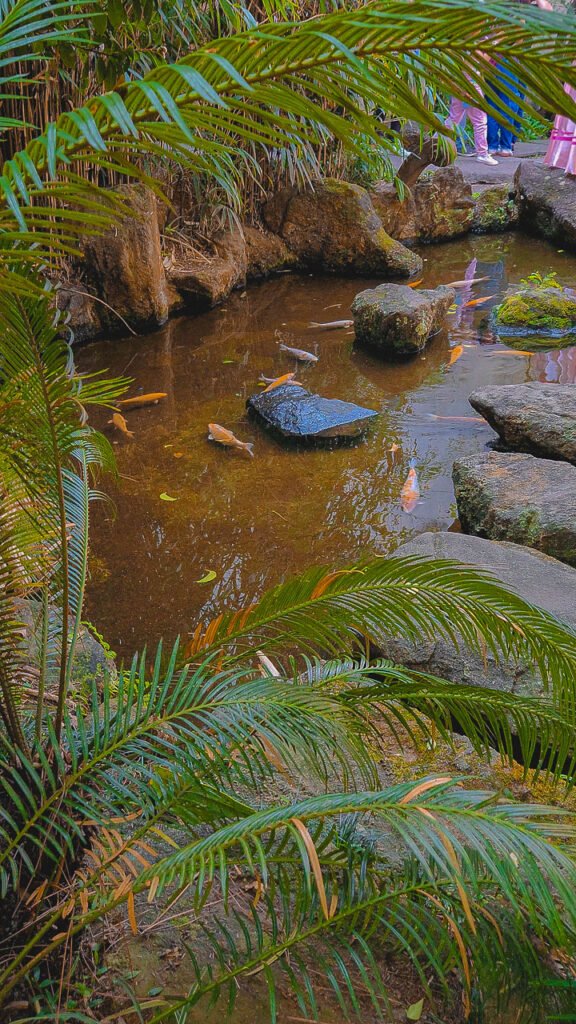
410 493
464 283
511 352
119 422
139 400
276 382
455 354
227 438
414 284
478 302
332 325
299 354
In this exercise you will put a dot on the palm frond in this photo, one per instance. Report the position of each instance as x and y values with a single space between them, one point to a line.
532 730
269 84
49 449
408 598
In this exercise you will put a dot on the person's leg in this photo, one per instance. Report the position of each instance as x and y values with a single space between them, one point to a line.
494 128
508 134
493 134
456 113
479 121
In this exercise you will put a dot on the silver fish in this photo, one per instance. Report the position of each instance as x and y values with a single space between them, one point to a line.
299 354
332 325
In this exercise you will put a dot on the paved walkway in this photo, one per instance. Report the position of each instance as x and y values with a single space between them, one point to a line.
484 174
480 174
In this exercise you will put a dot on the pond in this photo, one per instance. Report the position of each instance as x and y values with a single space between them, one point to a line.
255 522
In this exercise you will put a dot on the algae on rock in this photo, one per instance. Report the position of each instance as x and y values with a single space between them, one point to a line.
539 307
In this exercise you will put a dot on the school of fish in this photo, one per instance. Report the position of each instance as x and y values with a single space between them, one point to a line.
410 491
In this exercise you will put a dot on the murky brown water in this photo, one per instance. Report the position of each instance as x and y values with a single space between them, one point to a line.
257 521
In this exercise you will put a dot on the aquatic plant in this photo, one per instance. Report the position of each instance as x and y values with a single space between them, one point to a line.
92 793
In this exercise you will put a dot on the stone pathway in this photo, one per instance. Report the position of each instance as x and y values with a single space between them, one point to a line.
483 174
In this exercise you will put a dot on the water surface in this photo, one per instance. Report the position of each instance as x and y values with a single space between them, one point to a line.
257 521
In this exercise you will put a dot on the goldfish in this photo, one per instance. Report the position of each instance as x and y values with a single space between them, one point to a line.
458 419
135 403
226 437
331 325
299 354
455 354
119 422
511 352
414 284
478 302
464 283
275 382
410 493
282 380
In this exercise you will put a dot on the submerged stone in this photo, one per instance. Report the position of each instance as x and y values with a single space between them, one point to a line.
397 320
535 577
293 412
534 417
519 498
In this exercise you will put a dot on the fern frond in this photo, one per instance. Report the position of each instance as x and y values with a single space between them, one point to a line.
268 85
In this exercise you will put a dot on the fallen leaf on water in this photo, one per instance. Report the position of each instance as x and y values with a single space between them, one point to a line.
414 1012
228 360
167 497
210 575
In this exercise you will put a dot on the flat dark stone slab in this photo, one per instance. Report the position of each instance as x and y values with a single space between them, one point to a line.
519 498
535 417
295 413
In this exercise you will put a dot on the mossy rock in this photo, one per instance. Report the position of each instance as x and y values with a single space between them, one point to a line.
396 320
332 226
542 311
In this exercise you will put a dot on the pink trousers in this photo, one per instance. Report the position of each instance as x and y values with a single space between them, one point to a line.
458 113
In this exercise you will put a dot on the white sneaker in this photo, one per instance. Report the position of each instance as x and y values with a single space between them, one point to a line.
487 160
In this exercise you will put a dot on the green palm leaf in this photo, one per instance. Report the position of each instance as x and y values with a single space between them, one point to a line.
267 85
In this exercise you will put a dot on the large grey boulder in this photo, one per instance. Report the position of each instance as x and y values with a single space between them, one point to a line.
546 200
519 498
333 226
529 574
293 412
397 320
535 417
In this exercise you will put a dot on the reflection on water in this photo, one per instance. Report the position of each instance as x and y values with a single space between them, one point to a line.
257 521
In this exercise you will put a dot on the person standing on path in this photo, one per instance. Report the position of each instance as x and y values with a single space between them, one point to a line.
501 138
459 111
561 150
